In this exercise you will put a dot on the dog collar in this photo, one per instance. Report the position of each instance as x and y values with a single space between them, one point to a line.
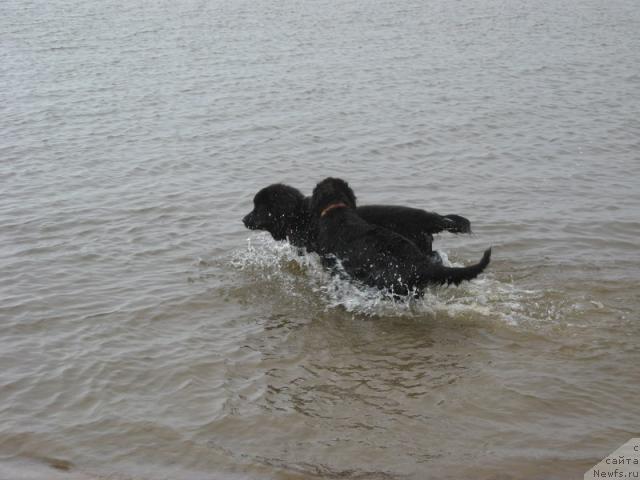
331 207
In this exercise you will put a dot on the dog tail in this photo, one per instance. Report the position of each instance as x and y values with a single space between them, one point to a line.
456 224
441 274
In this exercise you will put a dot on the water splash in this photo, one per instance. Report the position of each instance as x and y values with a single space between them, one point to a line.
299 273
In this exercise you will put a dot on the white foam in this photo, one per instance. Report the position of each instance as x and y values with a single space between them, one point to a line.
288 265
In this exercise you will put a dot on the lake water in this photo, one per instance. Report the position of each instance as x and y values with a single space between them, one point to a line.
145 334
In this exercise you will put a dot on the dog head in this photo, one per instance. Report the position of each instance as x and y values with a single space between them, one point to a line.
277 209
330 192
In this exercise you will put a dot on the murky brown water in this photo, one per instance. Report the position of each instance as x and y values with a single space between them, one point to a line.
143 336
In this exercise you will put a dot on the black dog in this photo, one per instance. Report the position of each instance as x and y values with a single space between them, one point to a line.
372 254
285 213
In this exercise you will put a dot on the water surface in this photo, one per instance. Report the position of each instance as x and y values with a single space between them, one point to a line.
144 333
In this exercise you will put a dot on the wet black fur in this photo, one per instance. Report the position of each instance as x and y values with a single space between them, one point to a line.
372 254
284 212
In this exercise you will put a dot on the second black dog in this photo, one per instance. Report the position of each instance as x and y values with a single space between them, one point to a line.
285 213
372 254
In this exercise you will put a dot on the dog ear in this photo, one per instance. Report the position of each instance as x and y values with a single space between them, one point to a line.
319 198
346 192
351 197
285 193
314 203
